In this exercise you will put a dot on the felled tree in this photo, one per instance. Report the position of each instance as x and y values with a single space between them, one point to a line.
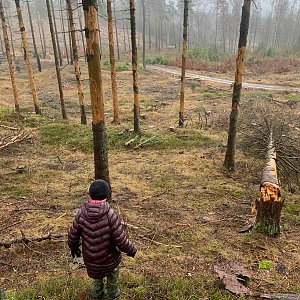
270 202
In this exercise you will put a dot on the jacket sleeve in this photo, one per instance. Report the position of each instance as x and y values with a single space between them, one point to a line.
119 235
74 234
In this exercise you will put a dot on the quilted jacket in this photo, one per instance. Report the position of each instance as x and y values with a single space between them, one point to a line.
103 238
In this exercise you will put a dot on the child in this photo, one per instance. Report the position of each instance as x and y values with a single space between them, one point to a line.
103 240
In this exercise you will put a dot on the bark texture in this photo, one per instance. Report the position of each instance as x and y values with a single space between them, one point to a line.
96 90
116 118
76 63
9 58
27 58
184 50
136 107
270 203
229 162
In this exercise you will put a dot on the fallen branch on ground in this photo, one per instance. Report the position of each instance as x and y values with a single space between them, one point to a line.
26 240
21 136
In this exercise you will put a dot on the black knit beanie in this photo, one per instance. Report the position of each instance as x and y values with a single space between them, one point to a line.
99 190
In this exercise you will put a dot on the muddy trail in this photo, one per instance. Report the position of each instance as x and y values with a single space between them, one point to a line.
189 76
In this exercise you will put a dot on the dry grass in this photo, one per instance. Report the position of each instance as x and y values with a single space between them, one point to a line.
185 209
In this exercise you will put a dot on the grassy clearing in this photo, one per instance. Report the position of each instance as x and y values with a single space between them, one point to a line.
133 288
77 137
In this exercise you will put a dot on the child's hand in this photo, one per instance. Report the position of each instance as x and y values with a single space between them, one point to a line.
76 253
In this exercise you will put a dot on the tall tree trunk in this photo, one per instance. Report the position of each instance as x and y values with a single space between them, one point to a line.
100 42
56 33
128 36
136 108
124 36
44 39
144 33
76 63
40 33
63 30
184 50
229 162
116 29
270 203
1 46
70 36
9 58
94 66
33 38
11 36
149 32
116 118
27 58
82 35
58 75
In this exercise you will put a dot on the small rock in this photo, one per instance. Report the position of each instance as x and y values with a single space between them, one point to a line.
172 129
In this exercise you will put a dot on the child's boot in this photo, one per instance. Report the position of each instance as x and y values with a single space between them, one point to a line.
113 291
97 291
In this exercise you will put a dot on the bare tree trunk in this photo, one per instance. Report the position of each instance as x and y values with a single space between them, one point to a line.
40 32
184 50
11 36
81 32
94 66
63 30
116 29
44 39
33 38
229 162
149 32
9 58
128 37
100 42
270 203
70 35
144 33
124 37
76 63
58 75
27 58
116 118
56 32
2 47
136 108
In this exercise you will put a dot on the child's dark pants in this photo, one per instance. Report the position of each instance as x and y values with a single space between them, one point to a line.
112 286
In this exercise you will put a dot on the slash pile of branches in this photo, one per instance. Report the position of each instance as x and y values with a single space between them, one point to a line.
11 135
263 116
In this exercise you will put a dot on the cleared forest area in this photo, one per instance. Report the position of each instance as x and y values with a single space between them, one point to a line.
192 220
181 209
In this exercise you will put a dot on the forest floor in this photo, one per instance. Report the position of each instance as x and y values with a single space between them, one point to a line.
180 207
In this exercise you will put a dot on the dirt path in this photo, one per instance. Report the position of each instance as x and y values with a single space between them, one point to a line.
225 81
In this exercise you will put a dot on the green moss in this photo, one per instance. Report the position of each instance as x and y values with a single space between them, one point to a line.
291 211
265 265
72 136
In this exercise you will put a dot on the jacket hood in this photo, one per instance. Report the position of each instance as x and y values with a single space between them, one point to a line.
92 212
